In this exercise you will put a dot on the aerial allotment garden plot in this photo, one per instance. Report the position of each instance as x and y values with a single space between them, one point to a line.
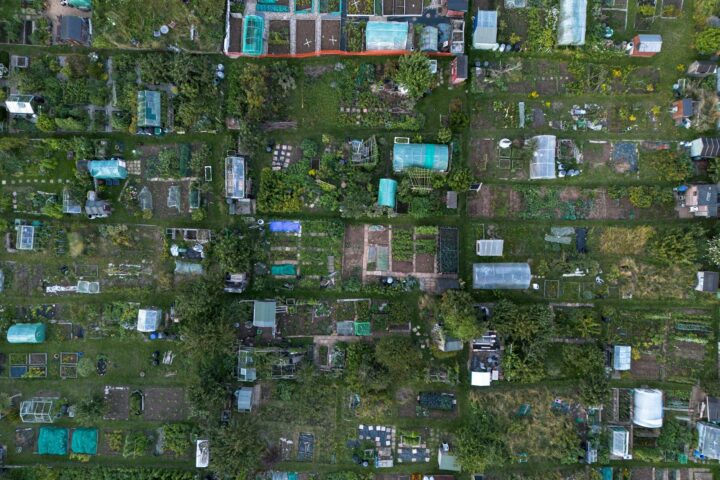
439 240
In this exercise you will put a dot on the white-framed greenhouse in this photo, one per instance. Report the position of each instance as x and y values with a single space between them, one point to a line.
572 22
493 276
37 410
542 164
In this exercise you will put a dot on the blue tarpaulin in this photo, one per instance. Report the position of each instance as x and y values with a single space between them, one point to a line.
285 226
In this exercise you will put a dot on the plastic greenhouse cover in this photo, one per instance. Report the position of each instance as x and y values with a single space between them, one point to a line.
572 22
542 164
490 276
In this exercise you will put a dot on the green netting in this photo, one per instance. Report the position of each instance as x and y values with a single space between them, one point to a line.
266 7
26 333
84 440
81 4
52 441
284 269
386 192
363 329
253 35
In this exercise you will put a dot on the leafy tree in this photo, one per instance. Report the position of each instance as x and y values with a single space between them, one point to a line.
177 438
668 165
45 123
85 367
520 367
233 250
457 313
479 442
444 135
673 438
708 40
236 449
414 74
90 409
363 371
713 250
460 179
399 355
678 245
640 196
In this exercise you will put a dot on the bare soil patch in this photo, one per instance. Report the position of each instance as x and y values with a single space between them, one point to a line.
646 367
425 263
305 36
117 400
330 35
353 250
165 404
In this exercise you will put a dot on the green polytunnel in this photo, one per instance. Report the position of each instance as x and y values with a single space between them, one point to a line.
26 333
52 441
420 155
84 441
253 29
387 192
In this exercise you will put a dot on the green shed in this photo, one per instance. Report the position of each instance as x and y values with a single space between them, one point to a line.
26 333
387 192
52 441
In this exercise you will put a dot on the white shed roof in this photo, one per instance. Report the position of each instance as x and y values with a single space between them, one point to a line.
485 33
649 43
20 104
489 248
480 379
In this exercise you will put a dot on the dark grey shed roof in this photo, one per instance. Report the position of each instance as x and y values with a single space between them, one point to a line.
707 281
458 5
73 29
462 66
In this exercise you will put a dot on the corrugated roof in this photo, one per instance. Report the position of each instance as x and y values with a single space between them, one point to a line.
572 22
489 248
244 399
485 33
264 314
491 276
386 192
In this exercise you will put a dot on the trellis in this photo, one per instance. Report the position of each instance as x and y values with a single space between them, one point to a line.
420 179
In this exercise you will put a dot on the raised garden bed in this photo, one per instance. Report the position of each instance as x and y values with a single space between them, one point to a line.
17 371
68 371
303 6
279 37
69 358
361 7
38 359
18 359
330 6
